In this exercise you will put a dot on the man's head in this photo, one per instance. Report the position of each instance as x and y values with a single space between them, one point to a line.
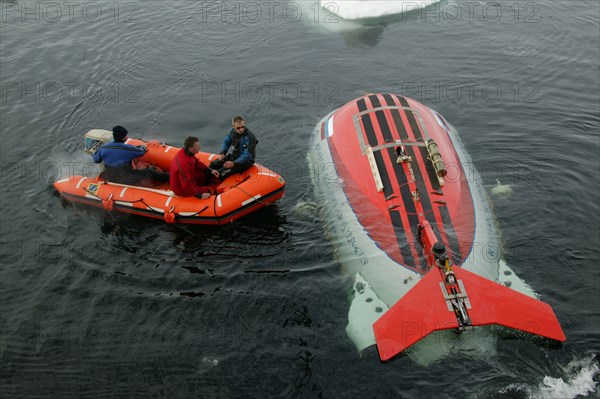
119 134
192 144
239 124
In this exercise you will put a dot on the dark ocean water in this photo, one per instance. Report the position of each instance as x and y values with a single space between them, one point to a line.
99 305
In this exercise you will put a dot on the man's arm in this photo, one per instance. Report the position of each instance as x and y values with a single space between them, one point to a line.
226 144
97 156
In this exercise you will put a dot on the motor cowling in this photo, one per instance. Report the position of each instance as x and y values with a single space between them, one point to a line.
96 138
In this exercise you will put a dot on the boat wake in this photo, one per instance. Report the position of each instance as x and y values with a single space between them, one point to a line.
579 379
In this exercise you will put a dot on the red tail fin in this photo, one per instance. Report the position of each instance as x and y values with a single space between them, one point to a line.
424 310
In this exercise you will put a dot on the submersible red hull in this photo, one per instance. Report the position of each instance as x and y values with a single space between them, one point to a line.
412 222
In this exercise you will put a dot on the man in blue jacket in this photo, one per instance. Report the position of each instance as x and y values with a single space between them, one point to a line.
238 150
117 157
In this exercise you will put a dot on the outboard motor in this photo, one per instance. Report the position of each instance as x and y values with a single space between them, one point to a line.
95 138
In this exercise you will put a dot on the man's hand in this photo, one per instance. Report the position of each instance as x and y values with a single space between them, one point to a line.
215 173
203 195
143 147
228 164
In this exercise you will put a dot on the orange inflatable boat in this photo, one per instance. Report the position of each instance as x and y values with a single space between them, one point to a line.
236 196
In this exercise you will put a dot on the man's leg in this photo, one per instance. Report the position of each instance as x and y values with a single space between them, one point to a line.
159 176
118 174
238 168
145 177
217 164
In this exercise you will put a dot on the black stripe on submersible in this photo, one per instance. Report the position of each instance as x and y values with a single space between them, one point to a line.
372 138
403 243
412 121
381 120
435 183
451 234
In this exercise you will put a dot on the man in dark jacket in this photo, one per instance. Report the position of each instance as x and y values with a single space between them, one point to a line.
238 150
117 157
189 176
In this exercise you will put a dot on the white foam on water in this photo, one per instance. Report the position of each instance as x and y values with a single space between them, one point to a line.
360 9
207 363
578 381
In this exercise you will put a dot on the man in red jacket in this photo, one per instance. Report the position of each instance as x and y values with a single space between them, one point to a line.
188 175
